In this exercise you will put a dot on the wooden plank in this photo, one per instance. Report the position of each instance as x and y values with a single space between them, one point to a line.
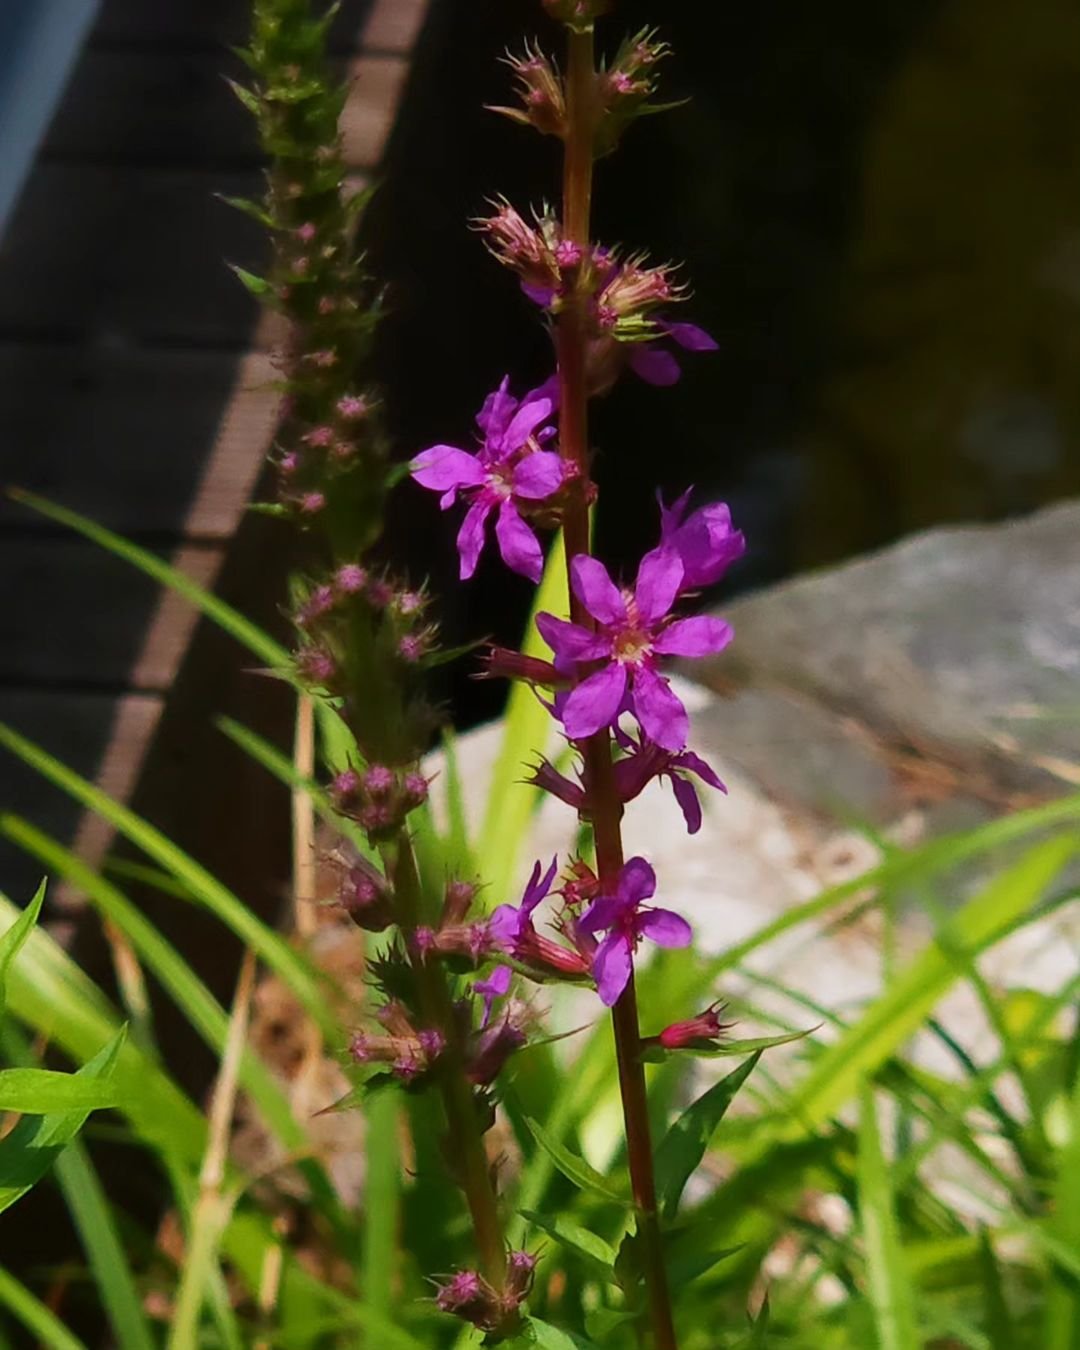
370 110
74 727
394 25
122 433
161 105
148 259
209 24
74 615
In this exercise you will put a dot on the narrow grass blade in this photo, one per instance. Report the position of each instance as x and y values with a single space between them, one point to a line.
269 946
527 729
382 1202
1061 1316
888 1281
215 1201
189 993
234 623
12 941
47 1329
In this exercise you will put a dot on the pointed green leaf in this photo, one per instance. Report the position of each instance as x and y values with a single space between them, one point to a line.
32 1147
592 1249
42 1092
13 939
685 1143
573 1167
547 1337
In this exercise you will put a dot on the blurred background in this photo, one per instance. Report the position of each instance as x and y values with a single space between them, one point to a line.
877 211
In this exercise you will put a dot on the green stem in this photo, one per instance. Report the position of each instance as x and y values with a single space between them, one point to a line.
463 1123
572 350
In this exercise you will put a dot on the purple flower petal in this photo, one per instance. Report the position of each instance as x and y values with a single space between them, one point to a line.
544 296
499 406
700 636
518 545
664 928
637 881
690 336
446 468
496 985
470 538
524 422
653 365
549 389
595 702
596 590
706 543
602 914
538 475
658 580
686 796
688 762
569 641
538 886
662 716
504 926
611 967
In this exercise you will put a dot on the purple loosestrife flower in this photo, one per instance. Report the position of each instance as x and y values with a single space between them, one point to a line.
508 471
634 629
705 541
645 761
625 920
511 930
654 364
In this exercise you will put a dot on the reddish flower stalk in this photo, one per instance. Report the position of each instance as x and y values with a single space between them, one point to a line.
571 346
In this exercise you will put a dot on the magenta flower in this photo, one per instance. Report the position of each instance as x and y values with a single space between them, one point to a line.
508 471
493 986
646 761
634 629
625 921
510 924
656 365
705 541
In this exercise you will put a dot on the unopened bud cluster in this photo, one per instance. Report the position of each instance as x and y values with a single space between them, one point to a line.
469 1296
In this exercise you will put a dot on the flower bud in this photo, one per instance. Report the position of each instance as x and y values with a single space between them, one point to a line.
520 1270
469 1296
500 663
492 1048
698 1033
540 90
457 901
366 897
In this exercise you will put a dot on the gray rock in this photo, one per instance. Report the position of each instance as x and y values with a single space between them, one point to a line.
957 649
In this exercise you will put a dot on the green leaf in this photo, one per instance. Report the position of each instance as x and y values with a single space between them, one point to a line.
13 939
997 1319
601 1322
1061 1234
382 1201
547 1337
592 1249
47 1329
32 1147
258 286
41 1092
888 1280
684 1145
573 1167
93 1219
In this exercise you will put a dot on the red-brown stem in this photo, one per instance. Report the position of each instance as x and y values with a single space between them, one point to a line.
462 1122
572 350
